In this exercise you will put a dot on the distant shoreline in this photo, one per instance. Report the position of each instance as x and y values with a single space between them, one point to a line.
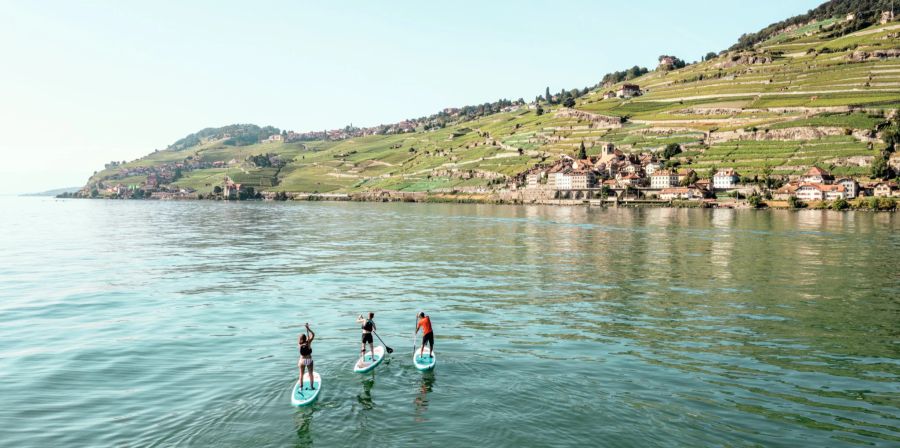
881 204
53 192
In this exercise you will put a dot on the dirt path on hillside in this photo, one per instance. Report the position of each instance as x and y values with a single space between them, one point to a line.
875 31
448 165
738 95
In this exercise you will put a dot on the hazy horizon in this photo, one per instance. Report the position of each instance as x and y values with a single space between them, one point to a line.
92 83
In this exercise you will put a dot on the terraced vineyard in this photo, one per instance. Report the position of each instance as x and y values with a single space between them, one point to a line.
799 99
783 157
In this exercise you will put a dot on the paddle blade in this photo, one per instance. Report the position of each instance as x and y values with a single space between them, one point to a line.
389 350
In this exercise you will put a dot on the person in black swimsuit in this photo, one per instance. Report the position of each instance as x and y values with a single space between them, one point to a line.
368 326
305 343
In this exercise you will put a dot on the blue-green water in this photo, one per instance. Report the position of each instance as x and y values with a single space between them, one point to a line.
175 323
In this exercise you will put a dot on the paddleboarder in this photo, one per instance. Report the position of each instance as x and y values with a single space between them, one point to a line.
306 361
368 326
427 334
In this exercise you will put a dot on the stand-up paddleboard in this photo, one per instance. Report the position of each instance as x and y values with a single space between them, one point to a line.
304 396
366 363
426 361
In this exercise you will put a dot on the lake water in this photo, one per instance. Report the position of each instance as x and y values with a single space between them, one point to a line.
175 323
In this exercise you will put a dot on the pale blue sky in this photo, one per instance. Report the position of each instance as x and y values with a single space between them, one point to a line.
82 83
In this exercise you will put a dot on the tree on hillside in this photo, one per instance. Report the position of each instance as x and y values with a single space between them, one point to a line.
539 111
569 102
635 71
767 175
880 168
625 75
671 150
547 97
891 134
710 55
755 200
690 179
582 152
675 61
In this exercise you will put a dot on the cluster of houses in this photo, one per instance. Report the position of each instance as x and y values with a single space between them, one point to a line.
148 190
404 126
164 173
820 185
152 190
614 170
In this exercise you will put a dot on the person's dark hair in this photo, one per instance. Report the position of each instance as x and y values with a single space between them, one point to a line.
302 338
422 314
371 315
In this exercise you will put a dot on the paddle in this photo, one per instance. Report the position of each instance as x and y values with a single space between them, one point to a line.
415 333
389 350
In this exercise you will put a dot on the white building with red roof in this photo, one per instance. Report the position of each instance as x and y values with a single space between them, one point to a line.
851 186
884 189
663 179
628 91
687 193
725 179
820 192
816 175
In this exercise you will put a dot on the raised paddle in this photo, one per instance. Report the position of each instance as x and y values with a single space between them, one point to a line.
389 350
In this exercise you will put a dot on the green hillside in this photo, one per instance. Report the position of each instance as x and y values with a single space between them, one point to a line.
816 93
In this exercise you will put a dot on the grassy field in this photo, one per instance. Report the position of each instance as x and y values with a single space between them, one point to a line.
806 81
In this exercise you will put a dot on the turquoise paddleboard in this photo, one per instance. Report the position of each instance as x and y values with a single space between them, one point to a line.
366 363
302 396
426 361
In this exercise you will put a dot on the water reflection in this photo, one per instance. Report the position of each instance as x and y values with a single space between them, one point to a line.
426 385
365 397
303 422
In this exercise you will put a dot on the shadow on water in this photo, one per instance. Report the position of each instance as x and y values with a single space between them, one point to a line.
303 420
426 385
365 398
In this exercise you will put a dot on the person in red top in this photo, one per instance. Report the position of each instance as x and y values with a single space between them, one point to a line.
427 334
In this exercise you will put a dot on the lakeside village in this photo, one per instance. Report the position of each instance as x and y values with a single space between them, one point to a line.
610 178
631 174
617 178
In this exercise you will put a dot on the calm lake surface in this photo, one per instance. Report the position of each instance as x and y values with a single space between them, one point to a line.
175 323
